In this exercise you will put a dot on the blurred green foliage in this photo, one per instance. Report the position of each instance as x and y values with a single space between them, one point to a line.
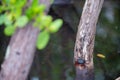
17 14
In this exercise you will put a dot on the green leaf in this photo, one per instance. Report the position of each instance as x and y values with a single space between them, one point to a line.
55 25
21 21
46 20
37 24
9 16
38 9
5 19
16 12
7 1
13 1
29 13
2 19
1 8
21 3
8 20
9 30
35 3
42 40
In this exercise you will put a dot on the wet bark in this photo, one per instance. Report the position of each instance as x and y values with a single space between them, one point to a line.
20 52
83 57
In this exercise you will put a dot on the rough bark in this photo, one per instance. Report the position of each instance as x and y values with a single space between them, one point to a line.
20 52
83 57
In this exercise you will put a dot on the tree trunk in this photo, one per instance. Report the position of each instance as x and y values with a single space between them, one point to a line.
83 57
20 52
118 78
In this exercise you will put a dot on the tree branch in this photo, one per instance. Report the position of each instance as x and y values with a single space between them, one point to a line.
83 57
20 52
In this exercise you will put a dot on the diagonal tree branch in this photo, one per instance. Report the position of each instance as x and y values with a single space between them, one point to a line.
83 57
20 52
